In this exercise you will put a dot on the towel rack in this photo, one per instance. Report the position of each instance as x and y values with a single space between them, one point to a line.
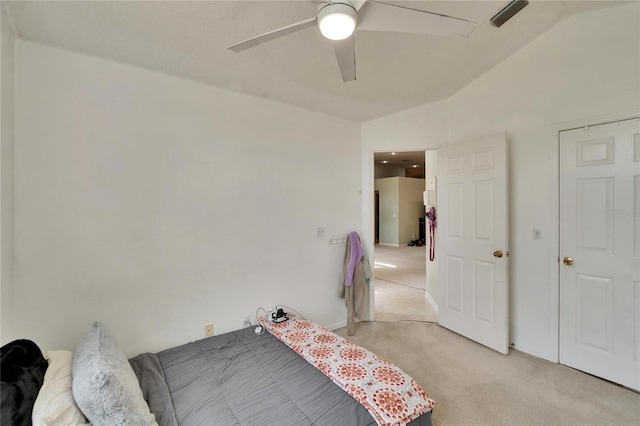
338 241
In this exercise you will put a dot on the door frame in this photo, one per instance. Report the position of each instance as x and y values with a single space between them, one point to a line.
376 217
554 219
368 189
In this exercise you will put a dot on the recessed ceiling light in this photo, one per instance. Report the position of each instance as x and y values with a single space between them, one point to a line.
384 161
393 153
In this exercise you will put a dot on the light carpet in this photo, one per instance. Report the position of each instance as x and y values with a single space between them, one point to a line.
401 265
474 385
396 302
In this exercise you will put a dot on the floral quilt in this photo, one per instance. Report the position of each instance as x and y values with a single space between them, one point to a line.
390 395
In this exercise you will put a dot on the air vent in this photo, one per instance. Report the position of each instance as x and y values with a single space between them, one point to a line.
508 12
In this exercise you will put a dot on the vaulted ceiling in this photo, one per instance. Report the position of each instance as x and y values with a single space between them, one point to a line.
190 39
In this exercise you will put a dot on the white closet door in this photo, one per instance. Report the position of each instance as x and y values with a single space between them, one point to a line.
600 251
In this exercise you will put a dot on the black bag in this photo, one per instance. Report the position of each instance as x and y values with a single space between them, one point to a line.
22 369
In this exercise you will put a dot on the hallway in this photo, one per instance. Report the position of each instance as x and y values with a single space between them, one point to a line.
400 285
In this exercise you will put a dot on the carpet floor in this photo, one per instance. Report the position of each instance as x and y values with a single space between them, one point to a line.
474 385
401 265
400 282
395 302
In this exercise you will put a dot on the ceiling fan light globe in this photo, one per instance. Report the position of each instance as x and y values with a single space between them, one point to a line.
337 21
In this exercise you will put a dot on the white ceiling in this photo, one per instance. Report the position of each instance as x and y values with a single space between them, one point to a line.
413 160
189 39
400 159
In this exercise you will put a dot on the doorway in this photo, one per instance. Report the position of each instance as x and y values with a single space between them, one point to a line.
399 251
599 250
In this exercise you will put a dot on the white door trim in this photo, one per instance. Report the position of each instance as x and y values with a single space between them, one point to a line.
554 219
368 225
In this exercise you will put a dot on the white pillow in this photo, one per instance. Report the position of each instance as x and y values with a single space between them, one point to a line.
55 404
104 385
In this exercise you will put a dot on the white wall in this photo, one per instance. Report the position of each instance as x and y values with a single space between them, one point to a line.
6 178
586 66
157 205
411 208
384 171
389 193
400 207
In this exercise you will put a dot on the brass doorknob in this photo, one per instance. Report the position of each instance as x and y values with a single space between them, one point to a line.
567 261
497 253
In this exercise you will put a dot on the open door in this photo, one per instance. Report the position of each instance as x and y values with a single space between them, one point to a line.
473 240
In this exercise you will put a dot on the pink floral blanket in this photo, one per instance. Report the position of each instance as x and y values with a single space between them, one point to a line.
390 395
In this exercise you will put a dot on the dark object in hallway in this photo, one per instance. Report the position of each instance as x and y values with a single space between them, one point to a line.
421 229
416 243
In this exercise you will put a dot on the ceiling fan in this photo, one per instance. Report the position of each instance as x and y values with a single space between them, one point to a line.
338 19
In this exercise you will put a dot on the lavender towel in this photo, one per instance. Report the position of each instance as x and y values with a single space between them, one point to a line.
354 257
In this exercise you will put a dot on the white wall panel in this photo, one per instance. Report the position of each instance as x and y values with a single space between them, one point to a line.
636 213
455 272
595 226
483 159
594 153
484 291
157 204
636 292
455 223
455 164
594 311
483 210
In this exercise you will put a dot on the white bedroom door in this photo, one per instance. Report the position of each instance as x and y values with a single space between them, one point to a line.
473 240
600 251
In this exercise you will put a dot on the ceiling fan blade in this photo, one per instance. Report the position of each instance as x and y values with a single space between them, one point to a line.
378 16
272 35
346 55
357 4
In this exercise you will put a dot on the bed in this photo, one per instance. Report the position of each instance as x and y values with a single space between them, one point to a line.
237 378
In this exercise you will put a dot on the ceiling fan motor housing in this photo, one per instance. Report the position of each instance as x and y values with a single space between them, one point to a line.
337 21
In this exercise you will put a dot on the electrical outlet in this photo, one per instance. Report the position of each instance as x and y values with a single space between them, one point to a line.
208 330
319 231
245 321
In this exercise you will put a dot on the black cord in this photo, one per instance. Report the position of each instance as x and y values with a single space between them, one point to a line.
291 309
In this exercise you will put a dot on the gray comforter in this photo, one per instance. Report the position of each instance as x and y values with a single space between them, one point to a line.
240 378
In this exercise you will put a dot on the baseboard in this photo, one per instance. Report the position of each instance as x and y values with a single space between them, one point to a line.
534 352
432 301
389 245
336 325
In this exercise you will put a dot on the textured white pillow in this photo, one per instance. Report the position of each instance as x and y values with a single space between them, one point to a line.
104 385
55 404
